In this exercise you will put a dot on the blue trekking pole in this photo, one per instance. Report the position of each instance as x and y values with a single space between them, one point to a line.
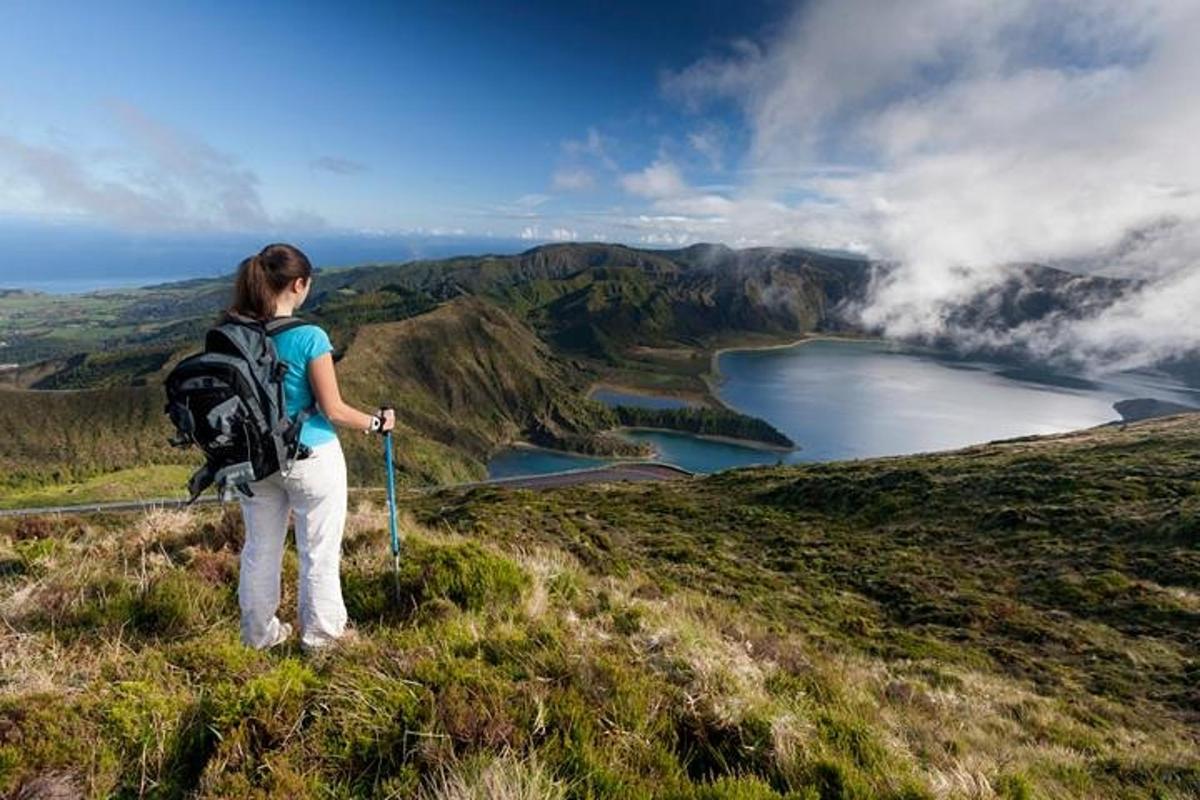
391 495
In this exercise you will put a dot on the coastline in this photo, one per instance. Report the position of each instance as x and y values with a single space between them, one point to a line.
712 379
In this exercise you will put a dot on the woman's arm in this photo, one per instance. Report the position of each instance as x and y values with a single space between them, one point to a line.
323 381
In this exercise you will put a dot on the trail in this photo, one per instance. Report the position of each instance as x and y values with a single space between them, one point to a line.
612 473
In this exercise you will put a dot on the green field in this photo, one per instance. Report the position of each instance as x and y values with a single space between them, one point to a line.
1019 620
135 483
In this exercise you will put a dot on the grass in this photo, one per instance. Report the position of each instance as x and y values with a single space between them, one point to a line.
166 480
465 378
1016 620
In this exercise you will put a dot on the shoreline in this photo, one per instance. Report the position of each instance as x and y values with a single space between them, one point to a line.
713 378
715 372
749 444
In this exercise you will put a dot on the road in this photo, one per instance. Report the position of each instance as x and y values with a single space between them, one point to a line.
628 472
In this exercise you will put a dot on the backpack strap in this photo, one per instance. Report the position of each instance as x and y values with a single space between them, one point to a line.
290 428
281 324
275 326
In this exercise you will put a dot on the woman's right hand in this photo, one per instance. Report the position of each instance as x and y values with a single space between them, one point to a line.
389 419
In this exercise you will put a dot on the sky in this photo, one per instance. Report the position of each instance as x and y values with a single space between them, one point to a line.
482 118
949 138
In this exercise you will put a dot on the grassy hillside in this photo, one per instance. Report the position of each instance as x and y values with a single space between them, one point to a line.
627 296
466 378
65 437
1017 620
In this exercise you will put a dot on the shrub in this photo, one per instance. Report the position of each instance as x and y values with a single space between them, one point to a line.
466 574
176 604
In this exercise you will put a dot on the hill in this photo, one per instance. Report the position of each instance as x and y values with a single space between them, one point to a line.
1010 620
551 322
466 378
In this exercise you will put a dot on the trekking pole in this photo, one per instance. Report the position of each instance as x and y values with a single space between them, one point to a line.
391 495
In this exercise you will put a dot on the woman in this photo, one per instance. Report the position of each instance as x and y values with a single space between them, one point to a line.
275 283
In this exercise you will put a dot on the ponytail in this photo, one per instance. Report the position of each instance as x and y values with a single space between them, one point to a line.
262 277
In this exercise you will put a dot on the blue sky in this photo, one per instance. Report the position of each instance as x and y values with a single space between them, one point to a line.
506 119
950 137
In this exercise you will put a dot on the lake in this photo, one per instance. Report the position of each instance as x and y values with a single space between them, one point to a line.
859 399
515 461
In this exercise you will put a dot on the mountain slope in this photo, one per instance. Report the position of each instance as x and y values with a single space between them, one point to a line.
593 299
57 437
702 288
466 378
1012 620
470 377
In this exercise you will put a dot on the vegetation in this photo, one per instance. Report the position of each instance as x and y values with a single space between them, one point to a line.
106 369
469 350
465 378
65 437
1013 620
584 296
475 352
134 483
704 421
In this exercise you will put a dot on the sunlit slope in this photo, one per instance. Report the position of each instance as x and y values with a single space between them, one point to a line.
465 378
65 436
1019 620
468 376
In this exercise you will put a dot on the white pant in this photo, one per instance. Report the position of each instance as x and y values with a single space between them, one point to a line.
315 489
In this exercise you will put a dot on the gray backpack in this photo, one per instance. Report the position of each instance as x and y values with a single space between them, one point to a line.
229 401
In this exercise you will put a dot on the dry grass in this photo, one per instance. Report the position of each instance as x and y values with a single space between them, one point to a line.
521 663
505 777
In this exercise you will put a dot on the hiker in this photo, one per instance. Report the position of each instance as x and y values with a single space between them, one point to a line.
274 283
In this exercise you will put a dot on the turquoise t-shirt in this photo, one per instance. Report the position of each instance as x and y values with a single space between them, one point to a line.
297 347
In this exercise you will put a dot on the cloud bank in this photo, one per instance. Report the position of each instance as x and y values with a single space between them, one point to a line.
956 138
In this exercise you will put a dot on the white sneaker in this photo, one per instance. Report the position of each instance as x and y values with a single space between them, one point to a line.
349 636
285 633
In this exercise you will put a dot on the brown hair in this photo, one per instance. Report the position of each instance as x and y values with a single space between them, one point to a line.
261 277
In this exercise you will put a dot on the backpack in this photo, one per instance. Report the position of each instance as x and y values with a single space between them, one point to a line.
228 400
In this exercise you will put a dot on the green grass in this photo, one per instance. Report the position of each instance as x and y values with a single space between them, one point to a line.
465 378
1017 620
167 480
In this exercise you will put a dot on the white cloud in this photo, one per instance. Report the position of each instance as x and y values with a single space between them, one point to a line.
958 136
593 146
660 179
709 143
716 76
572 179
557 234
165 179
531 201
